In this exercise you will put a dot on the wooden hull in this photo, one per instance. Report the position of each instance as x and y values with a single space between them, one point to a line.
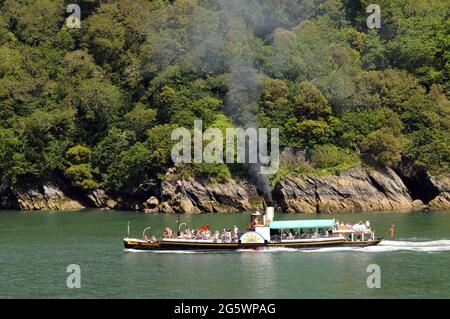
173 245
308 244
179 245
363 243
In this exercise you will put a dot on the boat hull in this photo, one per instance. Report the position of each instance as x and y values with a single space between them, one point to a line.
179 245
365 243
308 244
173 245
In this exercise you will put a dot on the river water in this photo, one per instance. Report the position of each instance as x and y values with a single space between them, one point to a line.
37 247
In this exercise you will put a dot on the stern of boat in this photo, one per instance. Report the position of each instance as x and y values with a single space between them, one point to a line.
365 243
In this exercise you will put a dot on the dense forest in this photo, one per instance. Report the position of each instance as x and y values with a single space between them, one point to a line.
95 106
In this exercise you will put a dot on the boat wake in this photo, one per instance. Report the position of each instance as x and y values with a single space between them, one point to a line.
393 245
424 246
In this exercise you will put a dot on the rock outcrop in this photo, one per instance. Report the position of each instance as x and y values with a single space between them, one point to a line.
46 197
99 199
356 190
192 196
442 200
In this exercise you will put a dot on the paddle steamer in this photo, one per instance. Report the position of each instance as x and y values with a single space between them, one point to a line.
262 233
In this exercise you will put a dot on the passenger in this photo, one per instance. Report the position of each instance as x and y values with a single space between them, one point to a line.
392 231
153 239
145 238
224 235
235 231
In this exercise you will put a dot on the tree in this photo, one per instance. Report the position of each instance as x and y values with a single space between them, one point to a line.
139 120
38 21
97 103
108 150
105 34
79 170
142 161
330 156
308 133
9 154
383 147
310 103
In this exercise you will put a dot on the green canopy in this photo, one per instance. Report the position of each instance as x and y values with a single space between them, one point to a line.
294 224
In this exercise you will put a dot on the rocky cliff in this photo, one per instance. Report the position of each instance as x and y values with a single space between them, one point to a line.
46 197
442 200
356 190
193 196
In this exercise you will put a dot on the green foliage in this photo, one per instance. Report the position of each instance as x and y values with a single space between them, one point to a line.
140 162
356 125
138 68
81 176
9 154
310 132
332 158
130 169
105 35
97 103
107 151
431 148
383 147
291 167
79 170
310 103
38 21
78 154
139 120
215 172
